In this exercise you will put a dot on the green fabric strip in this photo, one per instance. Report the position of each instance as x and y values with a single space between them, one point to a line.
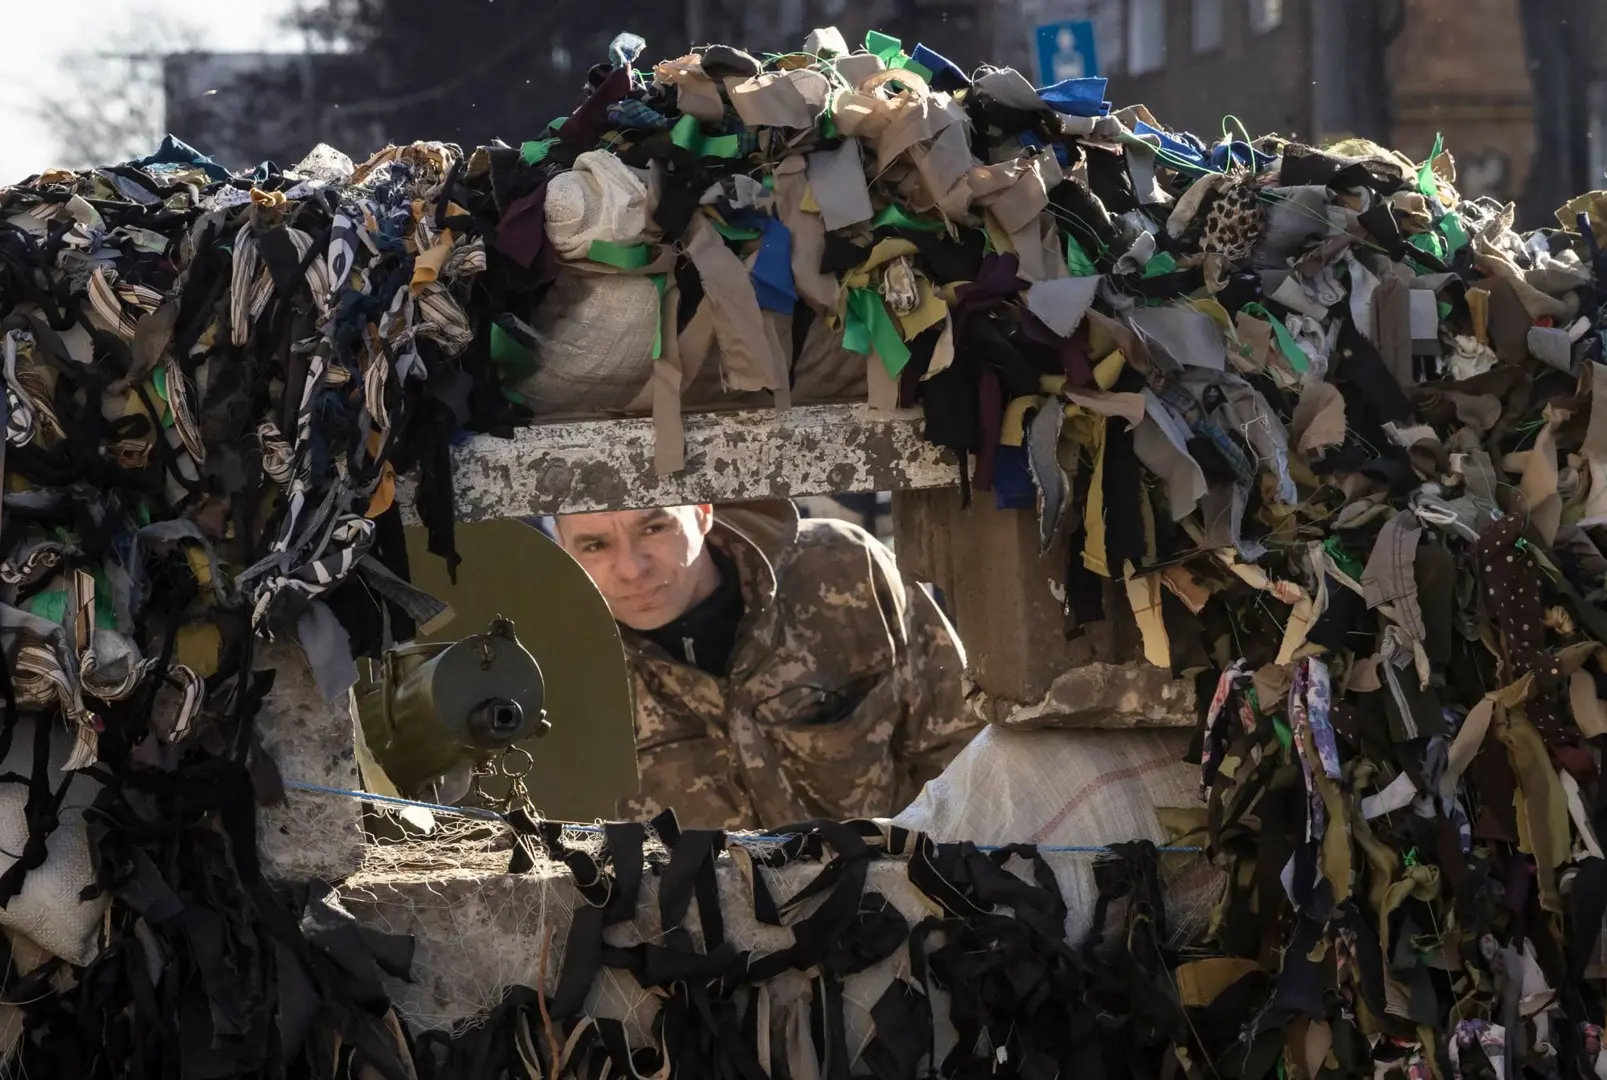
658 328
1077 259
159 381
895 217
623 256
1455 233
1342 558
535 151
1426 183
886 46
1285 735
1159 264
688 135
1286 341
105 601
1428 242
867 326
509 354
50 605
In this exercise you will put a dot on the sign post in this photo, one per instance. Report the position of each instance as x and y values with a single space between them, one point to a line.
1066 51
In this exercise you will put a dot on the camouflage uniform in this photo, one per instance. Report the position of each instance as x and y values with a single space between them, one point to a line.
844 697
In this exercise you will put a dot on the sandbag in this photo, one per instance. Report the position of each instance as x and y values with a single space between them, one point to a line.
825 370
600 200
1070 788
49 909
594 336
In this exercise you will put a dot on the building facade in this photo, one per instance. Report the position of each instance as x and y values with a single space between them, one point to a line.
1197 63
1410 70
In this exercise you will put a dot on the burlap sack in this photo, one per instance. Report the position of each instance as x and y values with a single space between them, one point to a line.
594 342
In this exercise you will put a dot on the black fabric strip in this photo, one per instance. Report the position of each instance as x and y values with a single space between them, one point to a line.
42 810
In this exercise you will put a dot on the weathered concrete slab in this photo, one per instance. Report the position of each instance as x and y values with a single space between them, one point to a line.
311 740
730 457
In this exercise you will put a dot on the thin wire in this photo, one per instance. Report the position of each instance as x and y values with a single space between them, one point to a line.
1227 136
391 800
492 815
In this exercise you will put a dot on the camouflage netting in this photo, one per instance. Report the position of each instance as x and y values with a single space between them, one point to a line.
1326 428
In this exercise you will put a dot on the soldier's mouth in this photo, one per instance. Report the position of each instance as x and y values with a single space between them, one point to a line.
646 599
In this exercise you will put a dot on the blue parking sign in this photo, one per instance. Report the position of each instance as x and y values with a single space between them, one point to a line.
1066 51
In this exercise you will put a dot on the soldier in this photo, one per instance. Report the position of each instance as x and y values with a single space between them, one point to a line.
783 670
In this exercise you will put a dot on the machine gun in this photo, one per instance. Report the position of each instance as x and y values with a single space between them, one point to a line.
481 719
437 707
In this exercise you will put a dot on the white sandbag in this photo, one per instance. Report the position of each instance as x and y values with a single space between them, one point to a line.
48 909
594 336
1071 788
600 199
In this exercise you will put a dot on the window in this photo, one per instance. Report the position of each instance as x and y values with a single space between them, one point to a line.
1265 15
1205 22
1597 119
1146 36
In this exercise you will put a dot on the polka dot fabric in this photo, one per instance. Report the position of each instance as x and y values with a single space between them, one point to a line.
1512 588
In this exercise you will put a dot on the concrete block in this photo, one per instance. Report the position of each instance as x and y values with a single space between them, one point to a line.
311 740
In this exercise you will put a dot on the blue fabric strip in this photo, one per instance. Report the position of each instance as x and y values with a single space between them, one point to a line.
772 270
1239 153
946 75
178 153
1013 488
1178 149
1077 97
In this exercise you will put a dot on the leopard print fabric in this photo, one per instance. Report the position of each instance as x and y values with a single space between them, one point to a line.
1234 223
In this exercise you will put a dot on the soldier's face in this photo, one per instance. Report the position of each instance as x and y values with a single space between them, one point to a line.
646 563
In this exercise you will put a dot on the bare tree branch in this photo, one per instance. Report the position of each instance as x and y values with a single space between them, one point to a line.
109 105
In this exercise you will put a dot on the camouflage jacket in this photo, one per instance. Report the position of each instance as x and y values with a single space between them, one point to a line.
845 693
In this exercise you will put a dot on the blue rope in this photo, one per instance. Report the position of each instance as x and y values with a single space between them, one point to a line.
491 815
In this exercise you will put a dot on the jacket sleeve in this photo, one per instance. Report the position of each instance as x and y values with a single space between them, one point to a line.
938 720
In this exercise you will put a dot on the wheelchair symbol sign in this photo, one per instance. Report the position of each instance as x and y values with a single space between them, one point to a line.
1066 51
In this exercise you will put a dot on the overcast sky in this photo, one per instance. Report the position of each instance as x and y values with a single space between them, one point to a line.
43 39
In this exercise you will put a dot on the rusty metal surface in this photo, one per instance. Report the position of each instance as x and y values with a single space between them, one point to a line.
730 457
